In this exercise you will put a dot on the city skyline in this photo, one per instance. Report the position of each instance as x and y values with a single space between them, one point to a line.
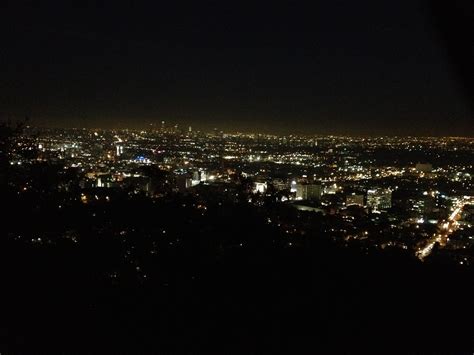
427 176
362 68
183 128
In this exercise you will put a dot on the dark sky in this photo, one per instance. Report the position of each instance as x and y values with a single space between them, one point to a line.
351 67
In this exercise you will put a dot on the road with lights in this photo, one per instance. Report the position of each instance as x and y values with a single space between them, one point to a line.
445 229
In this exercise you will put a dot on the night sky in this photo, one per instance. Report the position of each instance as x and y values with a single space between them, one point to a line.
341 67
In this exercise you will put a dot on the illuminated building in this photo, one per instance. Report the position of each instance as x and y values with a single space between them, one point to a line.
308 191
279 184
355 199
293 186
331 190
379 199
260 187
198 176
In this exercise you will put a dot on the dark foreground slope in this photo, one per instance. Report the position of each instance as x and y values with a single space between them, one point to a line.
140 276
